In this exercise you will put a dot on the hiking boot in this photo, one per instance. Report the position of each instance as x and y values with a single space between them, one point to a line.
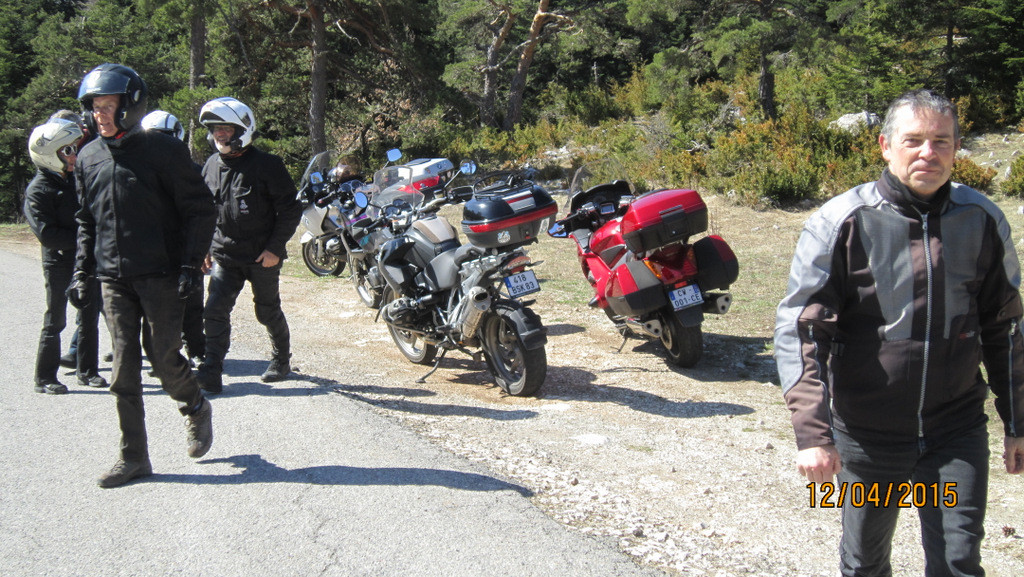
199 426
51 388
68 361
123 472
209 380
94 381
278 370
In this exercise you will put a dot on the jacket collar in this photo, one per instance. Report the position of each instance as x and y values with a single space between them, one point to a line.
897 193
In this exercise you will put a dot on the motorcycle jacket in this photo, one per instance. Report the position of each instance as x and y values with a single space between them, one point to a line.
258 208
892 305
50 207
145 210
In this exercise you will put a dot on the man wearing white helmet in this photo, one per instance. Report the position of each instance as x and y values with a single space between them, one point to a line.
50 207
163 121
258 213
143 230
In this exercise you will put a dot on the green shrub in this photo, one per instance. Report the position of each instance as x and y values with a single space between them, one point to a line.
1014 183
966 171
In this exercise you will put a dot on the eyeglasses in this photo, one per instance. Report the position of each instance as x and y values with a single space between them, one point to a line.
106 109
69 150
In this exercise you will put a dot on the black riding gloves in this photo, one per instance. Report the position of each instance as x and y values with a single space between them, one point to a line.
80 290
191 279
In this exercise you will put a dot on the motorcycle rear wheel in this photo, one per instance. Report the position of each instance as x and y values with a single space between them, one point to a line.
410 344
685 345
517 370
319 262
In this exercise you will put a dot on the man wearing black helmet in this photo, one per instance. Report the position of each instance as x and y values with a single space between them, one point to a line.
144 227
258 213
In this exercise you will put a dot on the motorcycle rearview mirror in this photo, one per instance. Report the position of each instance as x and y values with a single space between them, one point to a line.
467 167
316 181
361 200
394 154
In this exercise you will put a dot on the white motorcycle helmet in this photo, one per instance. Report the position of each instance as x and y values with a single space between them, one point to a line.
48 139
165 122
227 110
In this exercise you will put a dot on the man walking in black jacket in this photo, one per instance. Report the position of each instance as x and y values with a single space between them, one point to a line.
145 225
258 213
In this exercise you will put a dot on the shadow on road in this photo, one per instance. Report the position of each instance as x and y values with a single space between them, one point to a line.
256 469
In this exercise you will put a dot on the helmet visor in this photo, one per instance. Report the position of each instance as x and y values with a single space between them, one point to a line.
103 82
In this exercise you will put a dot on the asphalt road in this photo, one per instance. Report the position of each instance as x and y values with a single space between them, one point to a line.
300 481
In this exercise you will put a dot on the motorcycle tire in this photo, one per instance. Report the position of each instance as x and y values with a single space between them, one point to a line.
319 262
410 345
517 370
685 345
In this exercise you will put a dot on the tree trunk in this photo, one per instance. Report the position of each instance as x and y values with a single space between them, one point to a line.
488 115
518 87
318 79
196 61
766 89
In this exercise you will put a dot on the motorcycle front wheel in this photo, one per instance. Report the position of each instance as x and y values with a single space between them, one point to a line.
517 370
411 345
319 262
685 345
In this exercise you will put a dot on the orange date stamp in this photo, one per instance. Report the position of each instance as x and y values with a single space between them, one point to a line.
902 495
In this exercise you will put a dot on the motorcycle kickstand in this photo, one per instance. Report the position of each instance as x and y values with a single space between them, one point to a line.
437 363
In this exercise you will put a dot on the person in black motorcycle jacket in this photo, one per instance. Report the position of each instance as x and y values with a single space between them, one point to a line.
145 224
258 213
50 207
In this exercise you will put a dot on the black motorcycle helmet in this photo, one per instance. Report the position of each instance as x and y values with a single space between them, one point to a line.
109 79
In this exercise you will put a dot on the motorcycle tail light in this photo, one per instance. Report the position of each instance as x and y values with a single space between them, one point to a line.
673 264
516 265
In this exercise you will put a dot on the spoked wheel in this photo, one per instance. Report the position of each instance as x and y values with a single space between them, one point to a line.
517 370
319 261
370 297
685 345
412 346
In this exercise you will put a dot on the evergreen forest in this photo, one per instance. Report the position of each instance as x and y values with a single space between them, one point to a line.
736 97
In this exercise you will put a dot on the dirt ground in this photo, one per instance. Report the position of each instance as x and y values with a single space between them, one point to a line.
690 469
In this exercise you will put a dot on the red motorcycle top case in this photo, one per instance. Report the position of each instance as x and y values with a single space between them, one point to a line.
659 218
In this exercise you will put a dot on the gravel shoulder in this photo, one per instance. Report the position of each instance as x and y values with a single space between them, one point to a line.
689 469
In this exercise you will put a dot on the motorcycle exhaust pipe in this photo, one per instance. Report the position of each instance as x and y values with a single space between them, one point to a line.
477 303
651 328
717 303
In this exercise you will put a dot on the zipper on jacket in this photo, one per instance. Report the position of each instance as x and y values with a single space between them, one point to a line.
1009 377
928 321
821 378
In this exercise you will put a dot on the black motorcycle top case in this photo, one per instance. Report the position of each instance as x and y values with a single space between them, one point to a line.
508 217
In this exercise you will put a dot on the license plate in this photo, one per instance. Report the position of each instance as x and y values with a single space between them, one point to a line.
521 284
686 297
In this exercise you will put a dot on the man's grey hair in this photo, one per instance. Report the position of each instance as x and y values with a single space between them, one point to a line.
918 100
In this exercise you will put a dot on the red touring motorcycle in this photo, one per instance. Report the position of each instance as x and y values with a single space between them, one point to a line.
636 253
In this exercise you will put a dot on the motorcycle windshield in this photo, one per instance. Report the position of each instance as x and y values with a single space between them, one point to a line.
601 182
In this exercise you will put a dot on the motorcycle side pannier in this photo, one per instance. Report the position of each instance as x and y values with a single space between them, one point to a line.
507 218
717 267
634 290
662 217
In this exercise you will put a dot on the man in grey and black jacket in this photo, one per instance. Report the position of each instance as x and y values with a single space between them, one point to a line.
899 289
